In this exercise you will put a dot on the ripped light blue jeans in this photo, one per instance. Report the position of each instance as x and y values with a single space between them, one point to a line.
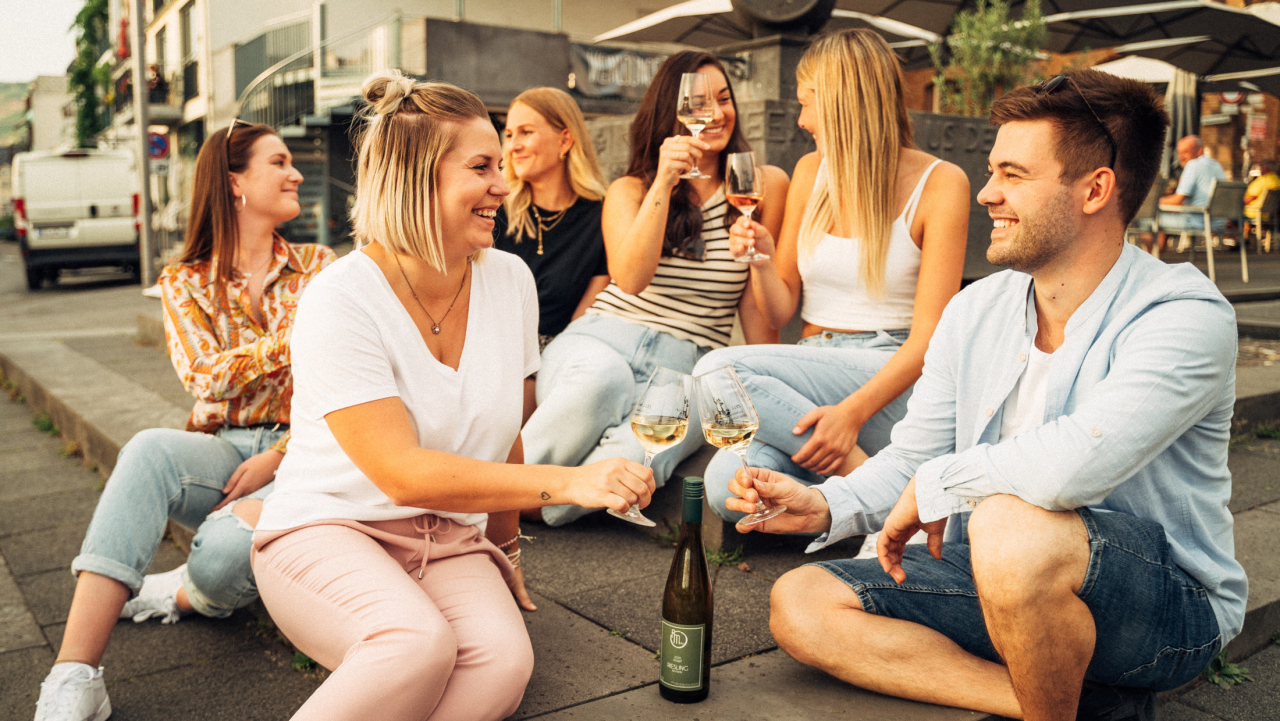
785 382
591 376
164 474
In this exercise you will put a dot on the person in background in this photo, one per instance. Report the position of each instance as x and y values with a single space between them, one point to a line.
1065 450
1199 170
551 219
228 313
874 235
675 286
1267 180
389 550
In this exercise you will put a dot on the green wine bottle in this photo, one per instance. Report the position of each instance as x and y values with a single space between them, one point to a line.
685 676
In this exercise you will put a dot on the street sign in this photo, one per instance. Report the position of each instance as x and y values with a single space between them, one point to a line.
159 167
157 146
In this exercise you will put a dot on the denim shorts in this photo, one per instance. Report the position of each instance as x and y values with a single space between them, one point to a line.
1155 627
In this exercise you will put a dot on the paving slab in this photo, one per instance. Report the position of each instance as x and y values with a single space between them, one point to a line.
49 510
769 686
22 671
1258 700
577 660
252 685
18 628
1255 480
598 551
42 550
1179 712
149 366
48 595
1257 537
55 479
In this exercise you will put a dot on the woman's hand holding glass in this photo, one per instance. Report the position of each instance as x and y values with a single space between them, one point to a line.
807 509
745 234
614 483
678 155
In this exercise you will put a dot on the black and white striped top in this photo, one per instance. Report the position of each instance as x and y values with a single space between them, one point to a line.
692 300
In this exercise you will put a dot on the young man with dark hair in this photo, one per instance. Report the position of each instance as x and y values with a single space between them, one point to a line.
1065 451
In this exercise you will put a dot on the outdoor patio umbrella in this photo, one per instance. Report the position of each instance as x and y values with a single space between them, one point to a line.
1198 36
710 23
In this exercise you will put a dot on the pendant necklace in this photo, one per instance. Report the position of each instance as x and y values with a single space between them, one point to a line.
435 327
551 222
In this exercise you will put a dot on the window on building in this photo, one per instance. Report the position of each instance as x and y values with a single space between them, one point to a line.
190 66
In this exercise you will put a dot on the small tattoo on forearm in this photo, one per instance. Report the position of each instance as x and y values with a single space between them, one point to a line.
546 496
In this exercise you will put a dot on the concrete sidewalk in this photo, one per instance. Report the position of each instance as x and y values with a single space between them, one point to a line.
72 353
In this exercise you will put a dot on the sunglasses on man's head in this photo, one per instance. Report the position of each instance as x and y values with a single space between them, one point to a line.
1058 81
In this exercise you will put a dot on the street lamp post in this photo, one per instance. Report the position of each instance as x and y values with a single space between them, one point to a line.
141 121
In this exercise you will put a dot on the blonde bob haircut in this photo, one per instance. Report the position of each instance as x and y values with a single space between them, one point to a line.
857 82
560 111
408 127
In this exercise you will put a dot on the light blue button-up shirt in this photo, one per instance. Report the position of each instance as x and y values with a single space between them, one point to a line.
1137 418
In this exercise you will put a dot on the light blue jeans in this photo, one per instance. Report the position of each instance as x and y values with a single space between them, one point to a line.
591 375
164 474
785 382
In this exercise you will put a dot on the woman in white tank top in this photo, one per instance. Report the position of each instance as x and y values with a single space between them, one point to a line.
874 232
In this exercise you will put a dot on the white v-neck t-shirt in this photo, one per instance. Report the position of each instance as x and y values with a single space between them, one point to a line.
1024 408
353 342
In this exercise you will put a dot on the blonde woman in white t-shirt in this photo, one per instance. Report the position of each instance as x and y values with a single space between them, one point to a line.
389 550
874 232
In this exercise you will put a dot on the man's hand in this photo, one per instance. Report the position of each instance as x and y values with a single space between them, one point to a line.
899 527
256 472
516 584
834 436
807 510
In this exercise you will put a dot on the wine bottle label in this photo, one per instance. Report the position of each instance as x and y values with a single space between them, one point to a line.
681 656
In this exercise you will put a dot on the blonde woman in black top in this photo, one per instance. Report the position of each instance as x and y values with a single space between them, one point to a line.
551 219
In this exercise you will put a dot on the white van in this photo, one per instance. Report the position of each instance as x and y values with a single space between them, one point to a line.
75 209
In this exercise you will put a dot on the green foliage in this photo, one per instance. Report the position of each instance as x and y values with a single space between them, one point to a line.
1224 674
44 423
726 556
989 55
668 537
618 632
1267 432
70 449
303 662
87 77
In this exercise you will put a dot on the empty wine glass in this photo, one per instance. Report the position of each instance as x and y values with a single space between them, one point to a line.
744 190
696 109
660 421
729 421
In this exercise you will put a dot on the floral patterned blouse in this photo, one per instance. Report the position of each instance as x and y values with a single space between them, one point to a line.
237 369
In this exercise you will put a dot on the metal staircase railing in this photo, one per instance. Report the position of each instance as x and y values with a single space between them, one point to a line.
284 93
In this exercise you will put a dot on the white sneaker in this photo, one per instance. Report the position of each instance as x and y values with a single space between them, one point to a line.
73 692
158 598
868 550
1184 244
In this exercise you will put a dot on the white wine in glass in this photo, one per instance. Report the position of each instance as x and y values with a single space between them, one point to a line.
660 421
744 190
695 109
729 421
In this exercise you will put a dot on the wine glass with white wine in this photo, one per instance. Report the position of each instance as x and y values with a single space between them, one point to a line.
729 421
696 109
660 421
744 190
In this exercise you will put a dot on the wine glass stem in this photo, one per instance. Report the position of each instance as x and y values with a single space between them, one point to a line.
751 247
742 458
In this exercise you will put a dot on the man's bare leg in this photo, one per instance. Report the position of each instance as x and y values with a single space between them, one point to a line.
1028 565
819 621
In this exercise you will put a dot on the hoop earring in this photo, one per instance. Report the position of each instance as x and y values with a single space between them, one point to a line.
244 202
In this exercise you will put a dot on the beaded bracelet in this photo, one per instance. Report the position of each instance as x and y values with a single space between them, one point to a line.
507 544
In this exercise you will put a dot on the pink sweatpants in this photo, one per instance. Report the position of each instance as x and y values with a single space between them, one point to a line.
405 639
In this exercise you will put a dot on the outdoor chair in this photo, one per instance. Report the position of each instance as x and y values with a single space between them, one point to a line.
1226 202
1268 217
1147 218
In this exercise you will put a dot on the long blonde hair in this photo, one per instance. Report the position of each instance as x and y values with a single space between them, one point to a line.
560 111
864 125
408 127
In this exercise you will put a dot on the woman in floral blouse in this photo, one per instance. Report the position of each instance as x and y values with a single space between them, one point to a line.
228 308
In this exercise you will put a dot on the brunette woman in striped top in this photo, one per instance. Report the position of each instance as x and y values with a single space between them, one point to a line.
674 291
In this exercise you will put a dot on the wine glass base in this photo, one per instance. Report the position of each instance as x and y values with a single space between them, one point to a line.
694 174
762 516
751 256
634 515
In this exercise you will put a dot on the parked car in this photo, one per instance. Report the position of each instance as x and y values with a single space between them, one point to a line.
75 209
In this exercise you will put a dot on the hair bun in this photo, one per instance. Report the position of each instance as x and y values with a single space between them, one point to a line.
385 91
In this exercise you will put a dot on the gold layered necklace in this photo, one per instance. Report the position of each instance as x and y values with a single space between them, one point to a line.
546 224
